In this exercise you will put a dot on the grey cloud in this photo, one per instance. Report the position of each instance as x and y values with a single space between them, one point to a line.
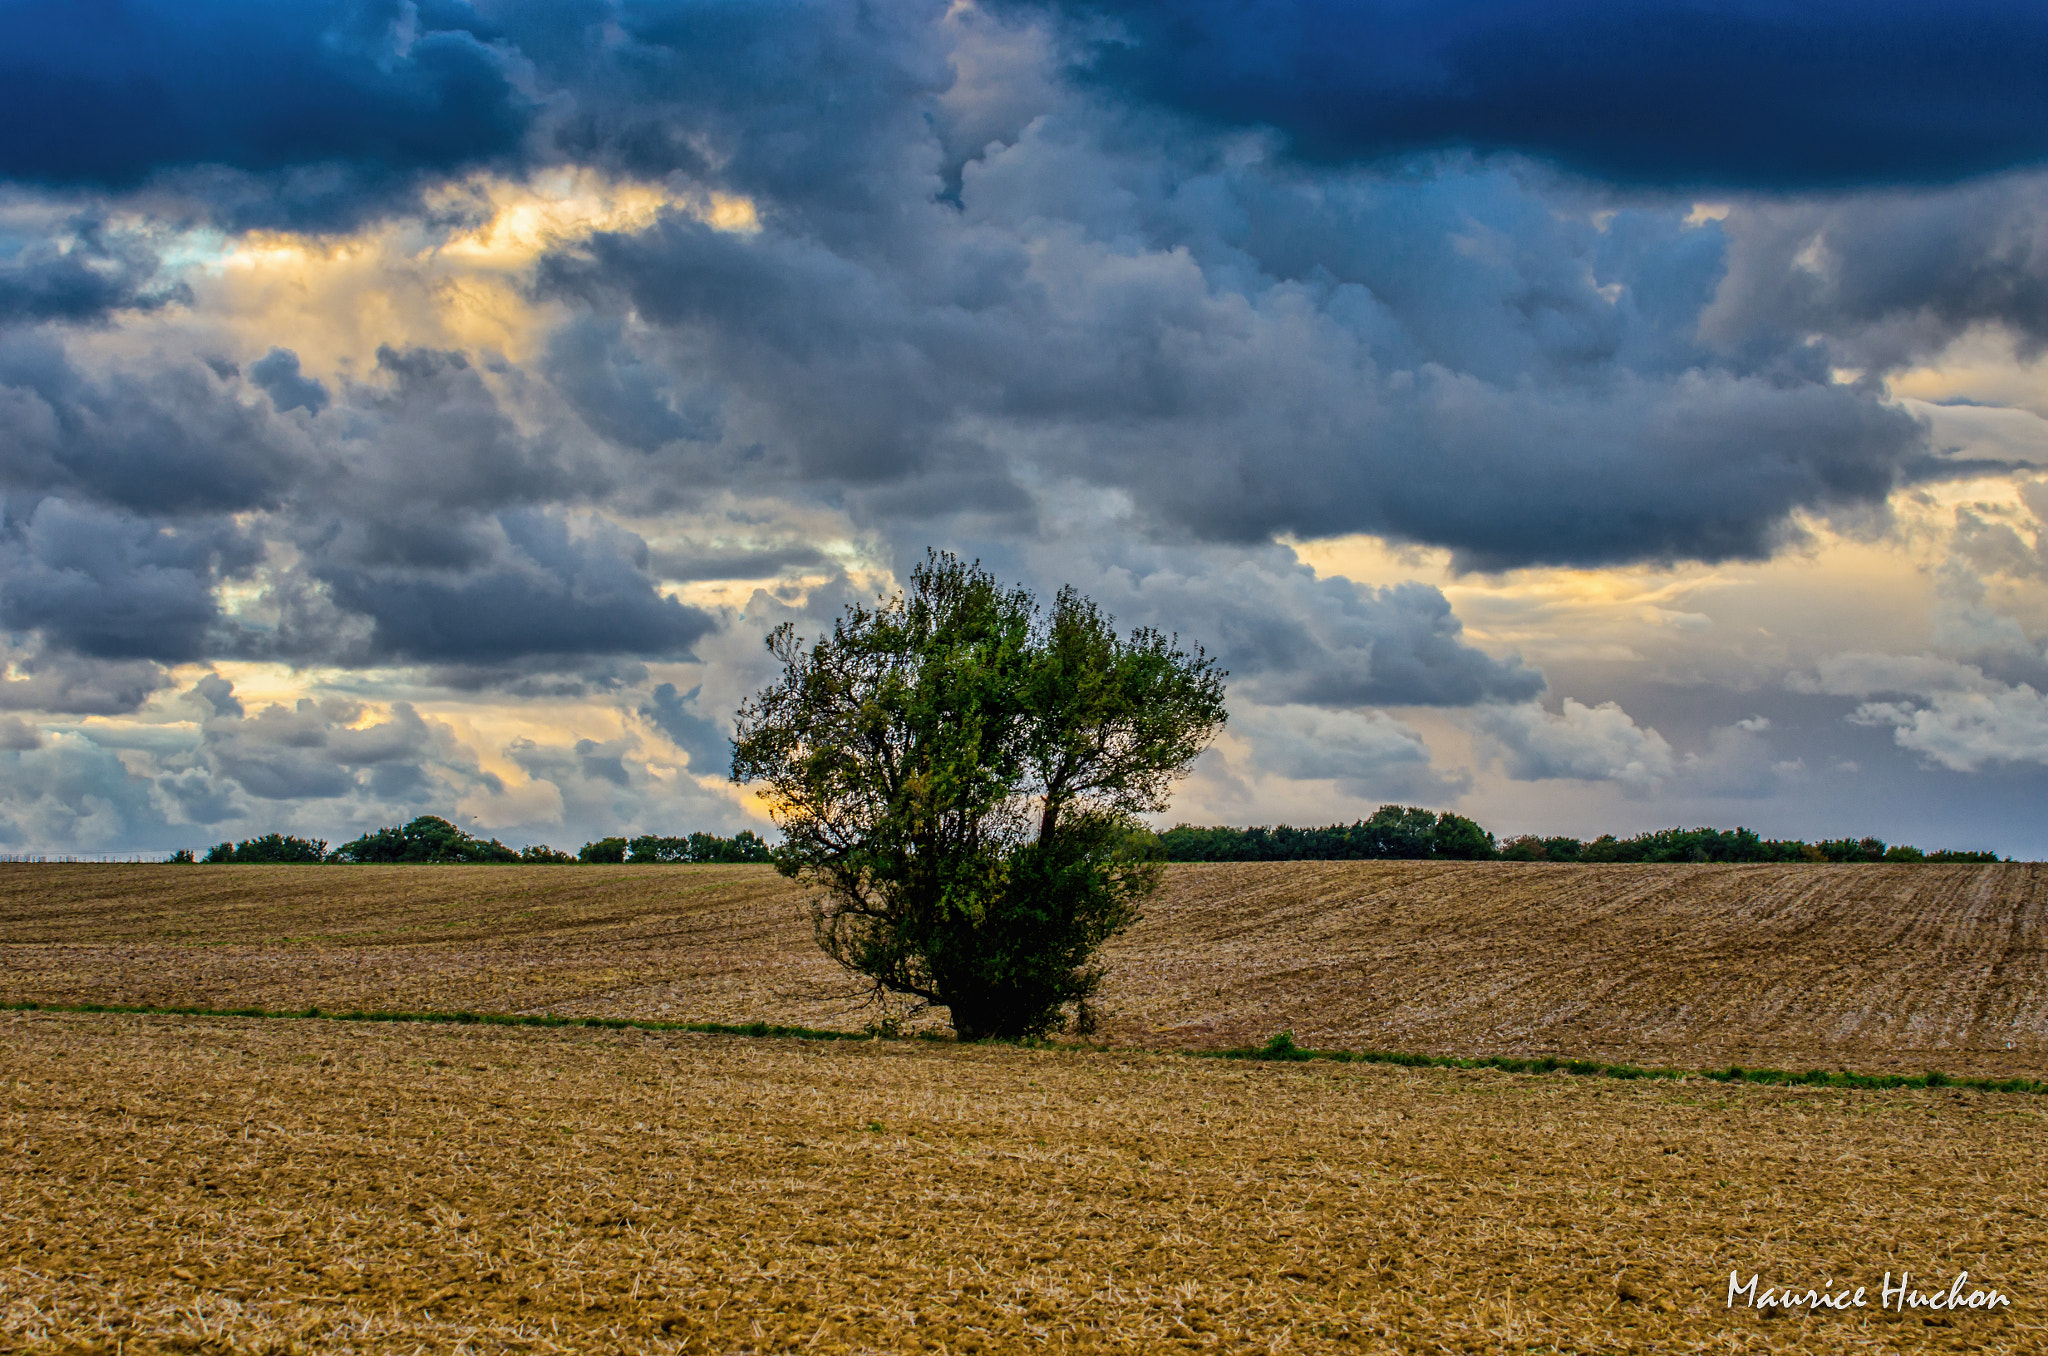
18 735
218 694
732 94
589 676
71 793
1366 754
317 769
621 396
171 438
547 593
1289 637
311 751
73 685
687 565
278 373
1739 763
1888 279
200 799
80 272
110 586
849 381
676 715
1446 358
431 430
605 788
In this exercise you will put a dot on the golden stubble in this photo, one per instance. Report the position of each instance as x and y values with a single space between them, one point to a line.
1877 968
250 1186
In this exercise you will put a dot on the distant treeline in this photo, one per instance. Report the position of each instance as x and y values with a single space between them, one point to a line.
1410 833
430 839
1394 832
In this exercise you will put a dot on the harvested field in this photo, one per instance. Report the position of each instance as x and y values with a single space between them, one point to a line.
219 1184
1874 968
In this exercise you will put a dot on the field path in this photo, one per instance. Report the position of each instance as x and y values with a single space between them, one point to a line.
1882 967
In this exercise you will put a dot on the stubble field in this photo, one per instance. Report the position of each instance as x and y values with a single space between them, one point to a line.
1876 968
180 1184
220 1184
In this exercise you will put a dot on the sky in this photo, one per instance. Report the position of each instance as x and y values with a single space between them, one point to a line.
1587 415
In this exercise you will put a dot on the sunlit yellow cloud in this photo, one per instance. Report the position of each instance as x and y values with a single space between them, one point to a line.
422 281
1836 590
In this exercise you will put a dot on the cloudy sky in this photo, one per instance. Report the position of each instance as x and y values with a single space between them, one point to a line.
1590 415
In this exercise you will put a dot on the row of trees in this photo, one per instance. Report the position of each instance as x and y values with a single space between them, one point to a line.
1408 832
431 839
1393 832
744 846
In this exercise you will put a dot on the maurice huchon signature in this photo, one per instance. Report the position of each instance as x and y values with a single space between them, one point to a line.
1899 1298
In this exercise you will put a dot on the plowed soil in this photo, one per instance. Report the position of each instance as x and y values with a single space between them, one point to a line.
268 1186
1871 968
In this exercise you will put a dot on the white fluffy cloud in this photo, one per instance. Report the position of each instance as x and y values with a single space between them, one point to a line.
1966 730
1578 742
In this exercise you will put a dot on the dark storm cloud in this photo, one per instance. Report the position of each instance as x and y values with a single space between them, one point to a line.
1749 93
107 585
965 309
1442 358
108 94
548 593
818 106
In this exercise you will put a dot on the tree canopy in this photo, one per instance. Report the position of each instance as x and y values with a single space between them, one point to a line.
268 849
429 838
959 770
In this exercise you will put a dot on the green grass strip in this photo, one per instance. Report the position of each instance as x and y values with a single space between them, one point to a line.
1280 1048
1283 1048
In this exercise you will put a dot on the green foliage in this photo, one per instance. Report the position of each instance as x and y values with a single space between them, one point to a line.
744 846
271 848
603 850
1458 838
1397 832
182 857
541 854
1530 848
1394 832
960 771
426 839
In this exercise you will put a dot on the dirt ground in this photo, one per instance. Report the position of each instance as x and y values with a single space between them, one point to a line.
179 1184
1889 968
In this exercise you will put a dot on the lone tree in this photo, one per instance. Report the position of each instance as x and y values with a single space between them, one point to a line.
960 770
